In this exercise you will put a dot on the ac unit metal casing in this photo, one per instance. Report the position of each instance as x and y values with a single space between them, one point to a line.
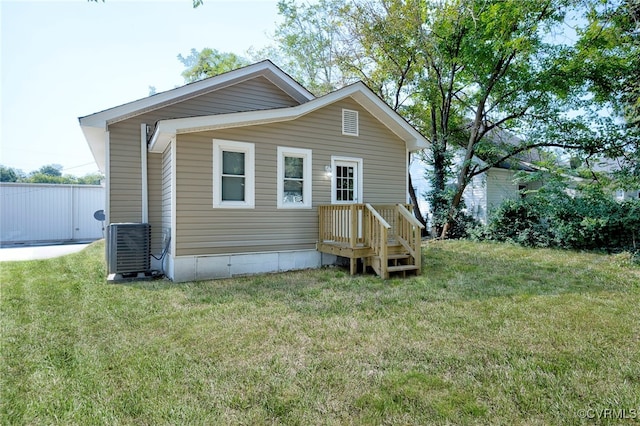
129 248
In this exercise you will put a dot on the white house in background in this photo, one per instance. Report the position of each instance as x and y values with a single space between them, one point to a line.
485 191
608 166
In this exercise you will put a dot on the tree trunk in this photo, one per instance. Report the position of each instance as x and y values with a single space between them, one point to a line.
414 200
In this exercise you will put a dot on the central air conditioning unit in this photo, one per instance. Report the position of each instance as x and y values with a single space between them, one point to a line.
129 248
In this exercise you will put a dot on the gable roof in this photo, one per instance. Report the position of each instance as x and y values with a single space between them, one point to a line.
166 130
94 126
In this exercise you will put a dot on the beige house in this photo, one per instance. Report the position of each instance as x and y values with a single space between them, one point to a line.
248 172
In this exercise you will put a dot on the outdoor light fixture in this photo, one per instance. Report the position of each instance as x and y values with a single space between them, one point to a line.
327 170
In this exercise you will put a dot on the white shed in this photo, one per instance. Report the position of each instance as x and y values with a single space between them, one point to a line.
36 213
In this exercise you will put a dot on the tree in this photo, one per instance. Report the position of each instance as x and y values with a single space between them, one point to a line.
310 40
49 170
209 62
465 71
8 174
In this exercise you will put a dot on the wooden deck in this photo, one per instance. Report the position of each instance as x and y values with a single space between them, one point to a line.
386 238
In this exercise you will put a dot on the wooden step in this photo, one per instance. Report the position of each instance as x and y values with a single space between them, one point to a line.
398 256
401 268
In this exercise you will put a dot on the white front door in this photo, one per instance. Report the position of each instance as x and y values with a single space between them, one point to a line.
346 183
346 188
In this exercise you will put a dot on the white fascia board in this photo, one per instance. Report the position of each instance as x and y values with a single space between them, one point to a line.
265 68
167 129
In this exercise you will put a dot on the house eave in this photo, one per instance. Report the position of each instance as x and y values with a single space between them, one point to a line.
160 100
95 137
166 130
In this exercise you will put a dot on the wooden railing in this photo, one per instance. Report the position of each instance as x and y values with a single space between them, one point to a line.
374 226
341 224
409 234
378 238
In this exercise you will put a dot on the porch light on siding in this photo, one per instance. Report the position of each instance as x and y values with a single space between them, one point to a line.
327 170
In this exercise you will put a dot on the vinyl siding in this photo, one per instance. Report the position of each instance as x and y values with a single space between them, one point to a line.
154 170
201 229
475 197
125 180
500 186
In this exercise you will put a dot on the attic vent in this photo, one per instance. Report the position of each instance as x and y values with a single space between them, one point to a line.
349 122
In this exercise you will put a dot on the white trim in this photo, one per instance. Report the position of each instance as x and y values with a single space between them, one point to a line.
406 176
143 173
349 115
107 195
307 176
174 198
335 159
359 92
107 178
191 268
220 145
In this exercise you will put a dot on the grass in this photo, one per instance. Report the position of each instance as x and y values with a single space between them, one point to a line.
489 334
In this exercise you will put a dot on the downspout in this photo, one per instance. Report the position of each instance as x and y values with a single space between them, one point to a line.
107 194
143 171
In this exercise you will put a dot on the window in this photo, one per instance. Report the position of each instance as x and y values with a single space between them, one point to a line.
349 122
620 194
233 174
294 178
522 190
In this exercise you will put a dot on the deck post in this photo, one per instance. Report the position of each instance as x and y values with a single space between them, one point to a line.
353 237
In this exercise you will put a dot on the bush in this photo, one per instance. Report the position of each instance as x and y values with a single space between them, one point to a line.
516 221
591 221
462 225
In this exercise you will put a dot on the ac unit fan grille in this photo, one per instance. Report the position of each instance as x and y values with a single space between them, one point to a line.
129 248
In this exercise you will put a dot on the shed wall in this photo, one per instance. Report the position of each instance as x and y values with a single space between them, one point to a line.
49 213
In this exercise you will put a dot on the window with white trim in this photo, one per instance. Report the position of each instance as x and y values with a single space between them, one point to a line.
294 178
350 122
233 174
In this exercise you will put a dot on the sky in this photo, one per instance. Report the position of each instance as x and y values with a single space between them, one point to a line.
64 60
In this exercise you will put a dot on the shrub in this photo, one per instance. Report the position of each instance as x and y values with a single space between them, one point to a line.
593 220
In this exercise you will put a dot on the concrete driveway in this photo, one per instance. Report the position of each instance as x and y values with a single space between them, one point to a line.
38 252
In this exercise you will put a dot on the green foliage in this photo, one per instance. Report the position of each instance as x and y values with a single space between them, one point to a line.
8 174
592 220
208 63
48 174
460 70
54 170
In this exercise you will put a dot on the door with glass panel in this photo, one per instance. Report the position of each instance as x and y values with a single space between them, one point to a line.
346 190
346 187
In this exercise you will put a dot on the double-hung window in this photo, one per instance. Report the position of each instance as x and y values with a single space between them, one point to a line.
233 174
294 178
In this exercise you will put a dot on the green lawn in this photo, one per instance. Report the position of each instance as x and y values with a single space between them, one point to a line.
489 334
